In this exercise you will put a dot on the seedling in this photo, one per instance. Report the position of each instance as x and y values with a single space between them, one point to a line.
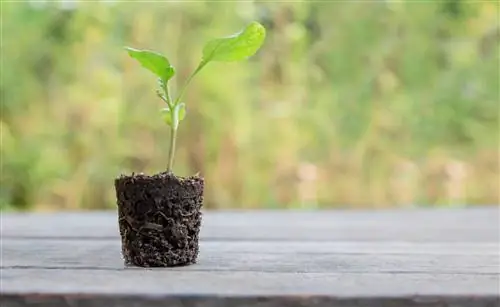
236 47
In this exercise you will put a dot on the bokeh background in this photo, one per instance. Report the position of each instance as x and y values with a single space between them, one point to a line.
349 104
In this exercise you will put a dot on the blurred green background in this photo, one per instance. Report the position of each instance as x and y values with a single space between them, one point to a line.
351 104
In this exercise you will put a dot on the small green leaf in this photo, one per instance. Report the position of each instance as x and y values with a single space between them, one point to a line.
167 116
236 47
182 111
179 115
154 62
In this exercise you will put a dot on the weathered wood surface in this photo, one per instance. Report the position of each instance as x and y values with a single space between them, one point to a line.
444 257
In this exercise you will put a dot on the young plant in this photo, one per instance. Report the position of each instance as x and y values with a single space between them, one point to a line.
236 47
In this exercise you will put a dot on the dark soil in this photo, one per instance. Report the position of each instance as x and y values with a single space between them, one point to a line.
159 218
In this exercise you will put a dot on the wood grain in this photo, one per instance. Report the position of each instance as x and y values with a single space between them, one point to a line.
446 257
263 257
449 225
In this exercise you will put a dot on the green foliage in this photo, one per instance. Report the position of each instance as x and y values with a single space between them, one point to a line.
154 62
236 47
173 119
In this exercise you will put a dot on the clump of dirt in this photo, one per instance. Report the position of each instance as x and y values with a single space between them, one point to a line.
159 217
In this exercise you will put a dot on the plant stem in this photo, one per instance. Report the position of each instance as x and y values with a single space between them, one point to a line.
167 97
167 93
173 129
171 152
200 66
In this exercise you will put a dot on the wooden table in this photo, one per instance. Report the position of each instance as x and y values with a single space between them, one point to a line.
443 257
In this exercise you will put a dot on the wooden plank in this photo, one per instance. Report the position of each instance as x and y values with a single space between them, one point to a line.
450 225
262 257
163 282
447 257
285 247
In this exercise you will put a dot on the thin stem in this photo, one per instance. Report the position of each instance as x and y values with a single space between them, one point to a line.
173 112
181 93
167 93
171 152
162 97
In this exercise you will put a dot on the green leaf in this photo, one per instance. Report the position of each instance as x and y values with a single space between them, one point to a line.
167 116
179 115
181 110
154 62
236 47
